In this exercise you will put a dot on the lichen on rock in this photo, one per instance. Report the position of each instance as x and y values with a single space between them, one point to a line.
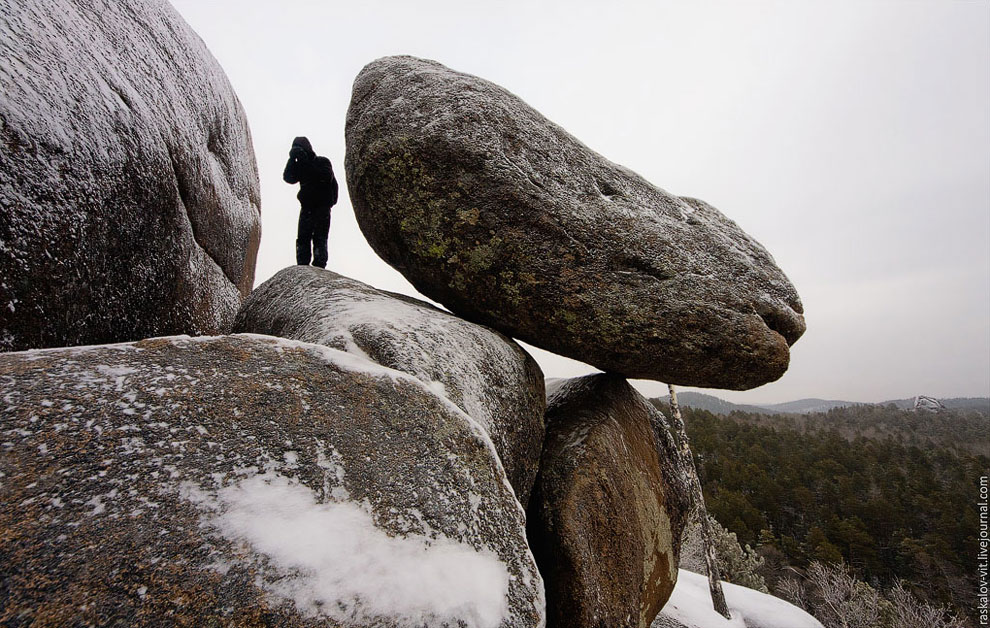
497 213
608 508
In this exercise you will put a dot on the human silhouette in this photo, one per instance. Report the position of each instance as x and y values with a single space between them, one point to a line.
317 194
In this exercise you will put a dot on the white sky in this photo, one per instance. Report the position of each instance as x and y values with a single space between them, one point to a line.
851 138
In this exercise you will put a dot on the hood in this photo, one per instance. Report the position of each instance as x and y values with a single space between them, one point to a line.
303 142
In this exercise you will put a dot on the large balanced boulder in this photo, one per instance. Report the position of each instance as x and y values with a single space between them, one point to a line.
249 481
503 217
484 373
128 186
608 508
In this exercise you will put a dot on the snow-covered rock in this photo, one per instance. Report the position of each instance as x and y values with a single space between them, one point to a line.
249 480
503 217
608 508
128 184
690 606
924 403
484 373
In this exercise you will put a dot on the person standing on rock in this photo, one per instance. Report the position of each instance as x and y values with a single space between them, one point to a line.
317 194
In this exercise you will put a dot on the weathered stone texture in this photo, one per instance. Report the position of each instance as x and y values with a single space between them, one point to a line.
129 198
484 373
503 217
122 465
608 508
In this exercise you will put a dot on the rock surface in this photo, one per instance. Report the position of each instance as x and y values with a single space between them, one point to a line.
484 373
128 185
607 511
503 217
249 481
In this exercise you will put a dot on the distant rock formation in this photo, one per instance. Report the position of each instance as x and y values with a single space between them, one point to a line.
503 217
924 403
254 481
128 184
609 506
484 373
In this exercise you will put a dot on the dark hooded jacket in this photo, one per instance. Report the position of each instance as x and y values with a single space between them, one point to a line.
314 174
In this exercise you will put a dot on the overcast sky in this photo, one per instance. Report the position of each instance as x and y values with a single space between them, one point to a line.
852 139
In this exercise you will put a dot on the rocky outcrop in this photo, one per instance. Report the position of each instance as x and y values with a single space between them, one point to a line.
128 184
924 403
503 217
484 373
608 508
250 481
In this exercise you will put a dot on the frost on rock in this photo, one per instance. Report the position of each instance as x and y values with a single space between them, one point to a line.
485 374
128 181
499 214
251 475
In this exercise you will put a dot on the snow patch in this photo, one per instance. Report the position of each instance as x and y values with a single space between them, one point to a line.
116 371
332 466
438 388
333 561
98 506
691 605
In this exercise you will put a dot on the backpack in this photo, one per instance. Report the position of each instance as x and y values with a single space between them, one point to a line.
325 179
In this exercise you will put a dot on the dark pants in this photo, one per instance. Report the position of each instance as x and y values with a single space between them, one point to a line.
314 226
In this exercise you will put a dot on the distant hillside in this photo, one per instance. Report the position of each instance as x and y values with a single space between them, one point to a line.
715 405
958 429
886 491
804 406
